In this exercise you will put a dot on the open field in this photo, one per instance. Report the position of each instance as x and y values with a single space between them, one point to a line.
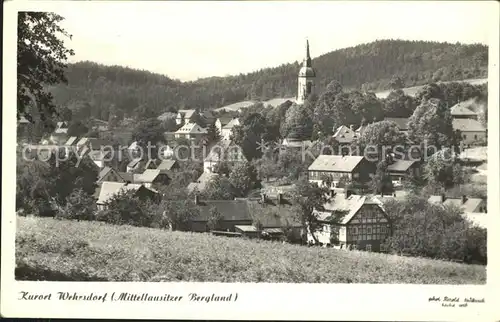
49 249
411 91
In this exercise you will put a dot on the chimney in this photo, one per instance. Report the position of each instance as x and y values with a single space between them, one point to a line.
280 196
443 197
196 199
464 199
348 193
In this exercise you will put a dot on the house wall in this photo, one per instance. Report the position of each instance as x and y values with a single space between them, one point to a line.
471 137
368 227
226 134
315 176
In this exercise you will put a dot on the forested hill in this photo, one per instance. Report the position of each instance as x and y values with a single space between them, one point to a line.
367 66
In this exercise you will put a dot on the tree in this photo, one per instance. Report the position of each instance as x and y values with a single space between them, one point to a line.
396 83
215 219
125 208
41 57
213 134
33 187
243 177
77 128
219 188
398 104
381 181
334 87
427 92
298 122
79 205
144 112
307 197
443 170
431 125
385 136
148 132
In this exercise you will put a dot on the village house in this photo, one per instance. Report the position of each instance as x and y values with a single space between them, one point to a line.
296 144
184 116
226 126
467 204
223 151
134 165
402 169
109 174
273 217
151 177
200 183
168 165
353 168
60 134
100 158
108 190
192 132
351 222
233 212
92 144
345 136
472 132
463 110
70 144
401 122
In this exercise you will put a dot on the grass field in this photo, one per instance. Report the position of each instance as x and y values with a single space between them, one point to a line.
49 249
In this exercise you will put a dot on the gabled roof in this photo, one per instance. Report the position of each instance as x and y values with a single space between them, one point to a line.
468 125
134 163
470 205
62 130
290 142
151 164
82 141
225 151
231 210
166 165
234 122
105 171
60 125
134 145
225 119
343 134
191 128
271 215
148 176
71 141
401 122
186 113
350 205
462 109
335 163
109 189
478 219
201 182
400 165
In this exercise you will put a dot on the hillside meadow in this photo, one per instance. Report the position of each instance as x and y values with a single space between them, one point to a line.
61 250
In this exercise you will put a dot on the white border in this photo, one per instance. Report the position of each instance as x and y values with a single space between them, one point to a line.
256 301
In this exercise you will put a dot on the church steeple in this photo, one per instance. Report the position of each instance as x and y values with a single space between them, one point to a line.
307 61
306 77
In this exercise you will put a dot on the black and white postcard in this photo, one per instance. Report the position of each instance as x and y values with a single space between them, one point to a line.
250 160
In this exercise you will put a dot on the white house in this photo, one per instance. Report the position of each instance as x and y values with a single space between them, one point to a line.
226 129
191 131
223 151
473 133
184 116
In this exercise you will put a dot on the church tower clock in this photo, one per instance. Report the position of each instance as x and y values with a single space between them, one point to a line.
306 78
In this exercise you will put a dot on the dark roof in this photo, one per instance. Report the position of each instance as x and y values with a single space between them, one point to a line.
272 215
401 122
401 165
231 210
98 143
126 176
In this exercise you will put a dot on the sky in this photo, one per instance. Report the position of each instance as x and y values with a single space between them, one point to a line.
190 40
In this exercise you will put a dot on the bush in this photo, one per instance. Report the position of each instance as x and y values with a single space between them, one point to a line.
79 206
433 231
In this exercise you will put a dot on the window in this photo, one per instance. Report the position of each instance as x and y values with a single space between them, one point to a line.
475 136
369 230
465 137
354 230
369 247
